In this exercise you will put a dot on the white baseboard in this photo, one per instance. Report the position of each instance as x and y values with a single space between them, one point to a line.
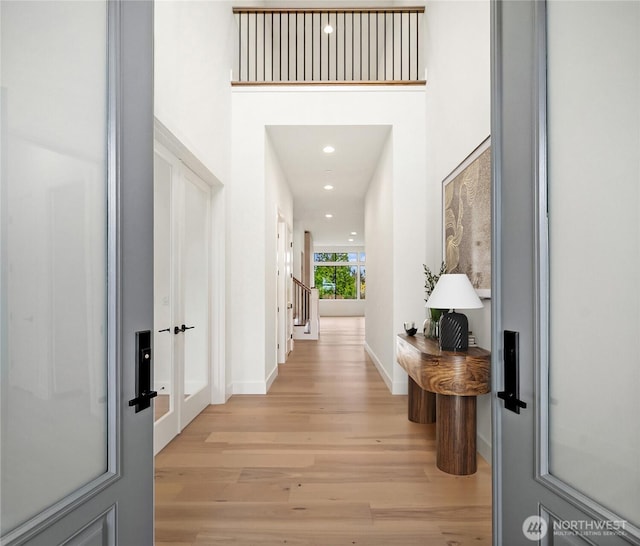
272 378
401 387
250 387
376 362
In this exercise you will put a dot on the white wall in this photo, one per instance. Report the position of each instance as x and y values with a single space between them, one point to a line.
194 45
298 248
253 110
457 58
257 194
378 228
396 219
279 203
342 308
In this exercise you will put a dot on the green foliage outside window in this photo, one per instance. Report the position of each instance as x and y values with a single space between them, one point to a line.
336 282
340 282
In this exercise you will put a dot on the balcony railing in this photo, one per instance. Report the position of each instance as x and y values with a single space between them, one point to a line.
339 46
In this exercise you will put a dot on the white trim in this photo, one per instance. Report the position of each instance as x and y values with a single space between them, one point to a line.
401 387
217 267
329 89
249 387
163 387
164 136
271 378
220 392
376 362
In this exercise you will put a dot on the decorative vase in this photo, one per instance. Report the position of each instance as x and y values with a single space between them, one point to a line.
431 326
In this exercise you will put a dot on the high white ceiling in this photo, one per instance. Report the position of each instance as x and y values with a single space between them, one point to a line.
348 169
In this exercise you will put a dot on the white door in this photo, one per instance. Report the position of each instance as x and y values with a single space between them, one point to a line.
282 311
165 380
76 249
566 143
182 295
196 299
289 289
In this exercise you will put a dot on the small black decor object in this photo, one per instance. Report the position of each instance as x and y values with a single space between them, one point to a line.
410 328
454 332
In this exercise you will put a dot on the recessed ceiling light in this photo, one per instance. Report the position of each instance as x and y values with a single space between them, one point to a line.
328 149
328 29
353 233
351 240
328 215
328 187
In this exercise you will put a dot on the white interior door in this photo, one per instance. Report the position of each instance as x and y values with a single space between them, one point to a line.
195 284
167 420
289 288
281 298
182 295
76 249
566 140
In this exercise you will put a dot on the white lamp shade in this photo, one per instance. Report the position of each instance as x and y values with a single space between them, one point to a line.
454 291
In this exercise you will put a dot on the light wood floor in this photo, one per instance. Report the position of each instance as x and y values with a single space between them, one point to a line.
327 458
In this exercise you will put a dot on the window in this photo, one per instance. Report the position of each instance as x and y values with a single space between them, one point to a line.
339 275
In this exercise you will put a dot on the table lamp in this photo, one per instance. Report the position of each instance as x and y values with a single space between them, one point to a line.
454 291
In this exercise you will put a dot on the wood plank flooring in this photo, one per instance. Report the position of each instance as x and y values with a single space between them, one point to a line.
327 458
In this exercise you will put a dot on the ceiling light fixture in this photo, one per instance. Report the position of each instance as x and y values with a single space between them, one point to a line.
353 233
328 29
328 149
328 187
328 215
351 240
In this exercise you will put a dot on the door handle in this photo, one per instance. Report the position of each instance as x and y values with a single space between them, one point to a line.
165 330
144 369
511 391
182 328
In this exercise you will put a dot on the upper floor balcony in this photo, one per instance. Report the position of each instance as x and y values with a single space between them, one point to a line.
346 46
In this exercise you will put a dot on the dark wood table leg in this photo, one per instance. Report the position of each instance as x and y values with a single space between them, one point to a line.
456 434
422 404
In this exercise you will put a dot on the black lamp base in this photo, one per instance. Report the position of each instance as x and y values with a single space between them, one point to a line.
454 332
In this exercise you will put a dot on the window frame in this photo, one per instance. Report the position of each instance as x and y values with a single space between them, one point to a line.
358 265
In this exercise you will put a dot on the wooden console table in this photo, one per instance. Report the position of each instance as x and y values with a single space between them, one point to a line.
454 379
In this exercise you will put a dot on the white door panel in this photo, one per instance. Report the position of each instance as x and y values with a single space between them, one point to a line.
196 298
167 422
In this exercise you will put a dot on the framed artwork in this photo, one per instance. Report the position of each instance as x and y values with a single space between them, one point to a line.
466 214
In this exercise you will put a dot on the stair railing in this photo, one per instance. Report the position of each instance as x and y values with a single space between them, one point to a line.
301 303
340 46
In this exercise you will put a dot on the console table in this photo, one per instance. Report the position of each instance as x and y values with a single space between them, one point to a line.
454 379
